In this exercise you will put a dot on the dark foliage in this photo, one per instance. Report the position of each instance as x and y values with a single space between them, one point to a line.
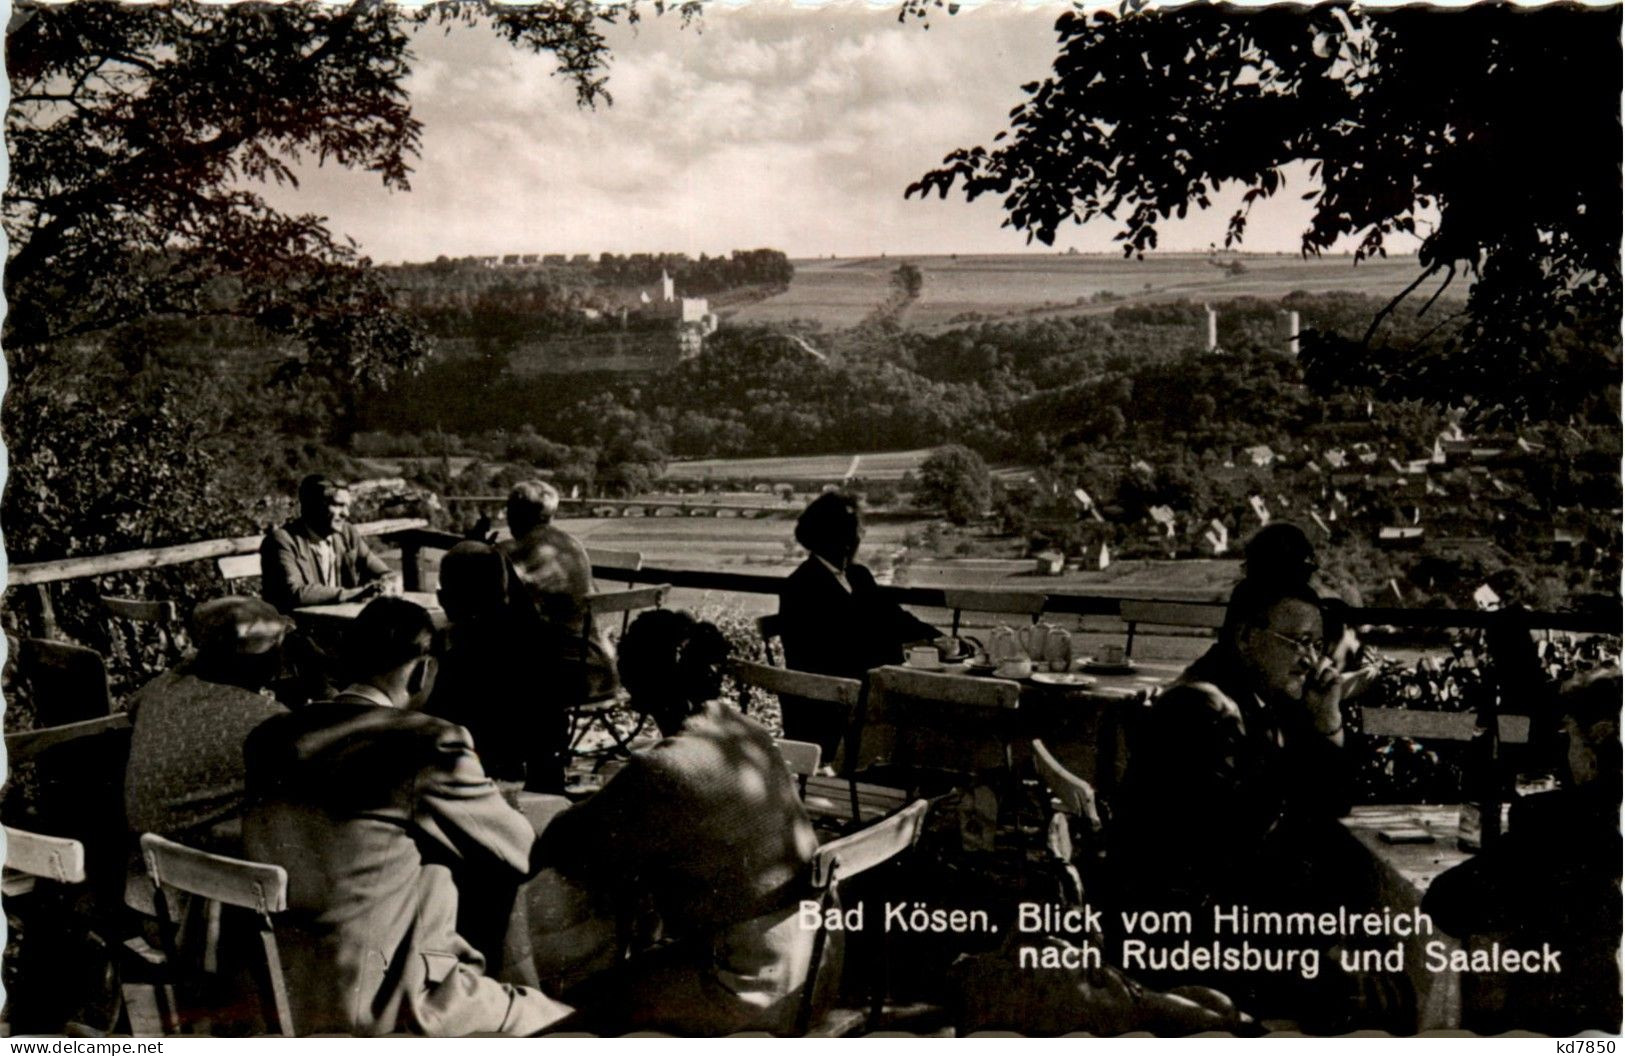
1407 114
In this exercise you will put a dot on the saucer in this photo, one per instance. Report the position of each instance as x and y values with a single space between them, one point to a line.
1100 667
1061 678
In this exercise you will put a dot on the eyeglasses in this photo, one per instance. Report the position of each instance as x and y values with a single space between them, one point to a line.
1305 646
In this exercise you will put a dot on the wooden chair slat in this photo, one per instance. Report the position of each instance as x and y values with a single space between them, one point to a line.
232 881
804 684
140 610
614 560
626 600
28 743
46 857
863 850
801 757
1006 602
238 566
962 690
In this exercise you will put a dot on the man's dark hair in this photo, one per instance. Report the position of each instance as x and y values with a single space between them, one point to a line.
674 652
473 580
388 633
315 488
826 519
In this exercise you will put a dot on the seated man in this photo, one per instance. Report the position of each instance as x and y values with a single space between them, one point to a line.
553 574
835 620
370 804
499 674
1235 780
319 558
185 778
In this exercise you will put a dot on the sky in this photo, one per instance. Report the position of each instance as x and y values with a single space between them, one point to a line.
764 124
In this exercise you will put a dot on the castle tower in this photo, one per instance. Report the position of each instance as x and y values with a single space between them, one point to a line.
1289 331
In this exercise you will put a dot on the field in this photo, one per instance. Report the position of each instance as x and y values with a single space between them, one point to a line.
839 293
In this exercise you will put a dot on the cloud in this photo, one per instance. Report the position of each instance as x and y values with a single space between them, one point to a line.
762 125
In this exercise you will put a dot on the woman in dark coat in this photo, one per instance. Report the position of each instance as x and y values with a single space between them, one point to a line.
706 825
835 620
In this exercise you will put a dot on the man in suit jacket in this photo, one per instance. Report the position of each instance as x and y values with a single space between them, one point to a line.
835 620
320 558
372 806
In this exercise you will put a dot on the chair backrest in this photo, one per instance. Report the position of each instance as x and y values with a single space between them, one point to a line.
1004 602
1207 615
68 682
770 628
800 757
1076 796
615 561
238 566
47 857
954 721
140 610
609 601
805 684
255 886
840 860
231 881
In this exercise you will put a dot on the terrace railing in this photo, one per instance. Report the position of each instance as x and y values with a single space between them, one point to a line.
415 541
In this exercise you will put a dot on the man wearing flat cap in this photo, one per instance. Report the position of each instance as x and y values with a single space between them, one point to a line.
319 558
185 778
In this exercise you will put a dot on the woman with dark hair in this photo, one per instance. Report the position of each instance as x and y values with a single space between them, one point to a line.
835 620
708 827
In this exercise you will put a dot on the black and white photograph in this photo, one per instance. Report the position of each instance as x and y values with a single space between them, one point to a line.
716 517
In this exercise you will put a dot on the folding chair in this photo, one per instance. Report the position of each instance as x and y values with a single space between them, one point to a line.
835 863
136 627
617 561
1205 615
933 730
31 857
824 797
601 711
38 869
800 758
67 683
256 887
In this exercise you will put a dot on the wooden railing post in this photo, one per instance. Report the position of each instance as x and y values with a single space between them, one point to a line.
411 572
45 616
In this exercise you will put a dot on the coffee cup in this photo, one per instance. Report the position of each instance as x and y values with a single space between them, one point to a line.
924 656
1112 655
1015 667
